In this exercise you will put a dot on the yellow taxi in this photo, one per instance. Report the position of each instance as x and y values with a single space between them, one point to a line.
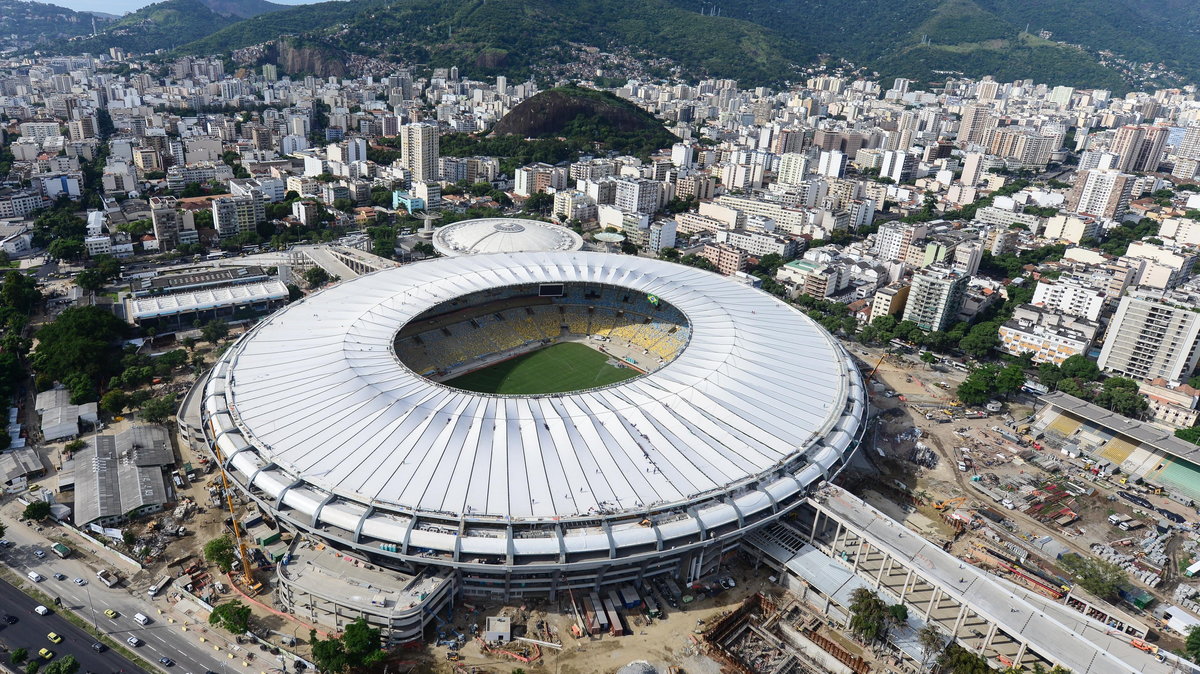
54 638
46 653
111 613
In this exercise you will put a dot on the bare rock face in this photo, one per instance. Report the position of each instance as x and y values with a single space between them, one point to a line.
298 58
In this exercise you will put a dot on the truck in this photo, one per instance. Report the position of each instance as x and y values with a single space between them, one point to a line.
158 587
61 550
1123 522
108 577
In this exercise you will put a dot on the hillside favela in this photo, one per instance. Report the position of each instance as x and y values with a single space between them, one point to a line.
600 337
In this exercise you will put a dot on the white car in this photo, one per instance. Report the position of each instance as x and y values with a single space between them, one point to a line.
41 610
134 641
39 554
80 581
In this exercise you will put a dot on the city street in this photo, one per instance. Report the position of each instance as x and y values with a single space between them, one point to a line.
30 630
164 637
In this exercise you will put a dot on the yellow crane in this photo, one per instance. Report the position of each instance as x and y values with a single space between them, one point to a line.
247 577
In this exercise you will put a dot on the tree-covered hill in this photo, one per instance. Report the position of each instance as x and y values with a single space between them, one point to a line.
491 37
170 24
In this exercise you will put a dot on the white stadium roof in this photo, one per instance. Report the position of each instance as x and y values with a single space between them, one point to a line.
152 306
503 235
320 396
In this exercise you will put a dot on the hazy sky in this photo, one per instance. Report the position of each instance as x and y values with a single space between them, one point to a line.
122 6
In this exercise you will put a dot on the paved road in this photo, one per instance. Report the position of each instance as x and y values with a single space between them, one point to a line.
31 629
160 638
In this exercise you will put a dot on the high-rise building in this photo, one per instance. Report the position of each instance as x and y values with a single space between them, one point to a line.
976 120
1150 338
935 298
832 164
1140 147
900 166
1100 192
894 238
638 196
793 168
1189 147
972 171
167 223
419 150
234 215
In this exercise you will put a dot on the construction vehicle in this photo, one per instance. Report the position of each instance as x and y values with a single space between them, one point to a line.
247 576
949 503
871 375
1143 646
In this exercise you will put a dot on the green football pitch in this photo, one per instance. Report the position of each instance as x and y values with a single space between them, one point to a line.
555 369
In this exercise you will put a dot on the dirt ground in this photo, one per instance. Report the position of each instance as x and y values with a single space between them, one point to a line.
663 642
995 459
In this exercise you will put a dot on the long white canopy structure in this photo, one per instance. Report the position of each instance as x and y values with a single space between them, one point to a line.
317 416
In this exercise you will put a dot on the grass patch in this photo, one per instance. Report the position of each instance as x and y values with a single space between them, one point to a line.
555 369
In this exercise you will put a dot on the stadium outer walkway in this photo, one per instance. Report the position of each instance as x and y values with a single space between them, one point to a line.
987 614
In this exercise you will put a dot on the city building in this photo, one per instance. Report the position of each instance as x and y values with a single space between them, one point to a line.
1150 337
889 301
1102 193
1050 337
935 297
419 150
234 215
727 259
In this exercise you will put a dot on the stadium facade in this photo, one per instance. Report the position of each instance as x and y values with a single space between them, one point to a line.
331 416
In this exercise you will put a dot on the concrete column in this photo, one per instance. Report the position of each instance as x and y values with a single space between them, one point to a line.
962 615
904 588
933 599
1020 653
858 552
987 641
885 565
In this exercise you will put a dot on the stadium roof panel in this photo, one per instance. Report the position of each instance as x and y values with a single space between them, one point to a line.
318 390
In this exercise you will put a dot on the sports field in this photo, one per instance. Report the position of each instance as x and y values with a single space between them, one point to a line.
555 369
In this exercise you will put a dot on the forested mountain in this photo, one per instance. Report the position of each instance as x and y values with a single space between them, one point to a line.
1077 42
171 24
25 23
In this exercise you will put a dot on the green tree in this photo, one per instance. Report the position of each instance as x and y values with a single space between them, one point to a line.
91 279
37 510
671 254
158 410
232 615
1095 575
1049 375
214 331
66 249
980 341
114 402
220 551
1192 645
928 357
1079 367
18 655
869 616
1010 379
979 386
1121 396
539 202
67 664
357 648
189 343
316 277
82 340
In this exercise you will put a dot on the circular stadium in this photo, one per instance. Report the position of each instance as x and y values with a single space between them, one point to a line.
503 235
532 422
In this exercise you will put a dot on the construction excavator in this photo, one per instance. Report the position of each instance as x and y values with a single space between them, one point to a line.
949 503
